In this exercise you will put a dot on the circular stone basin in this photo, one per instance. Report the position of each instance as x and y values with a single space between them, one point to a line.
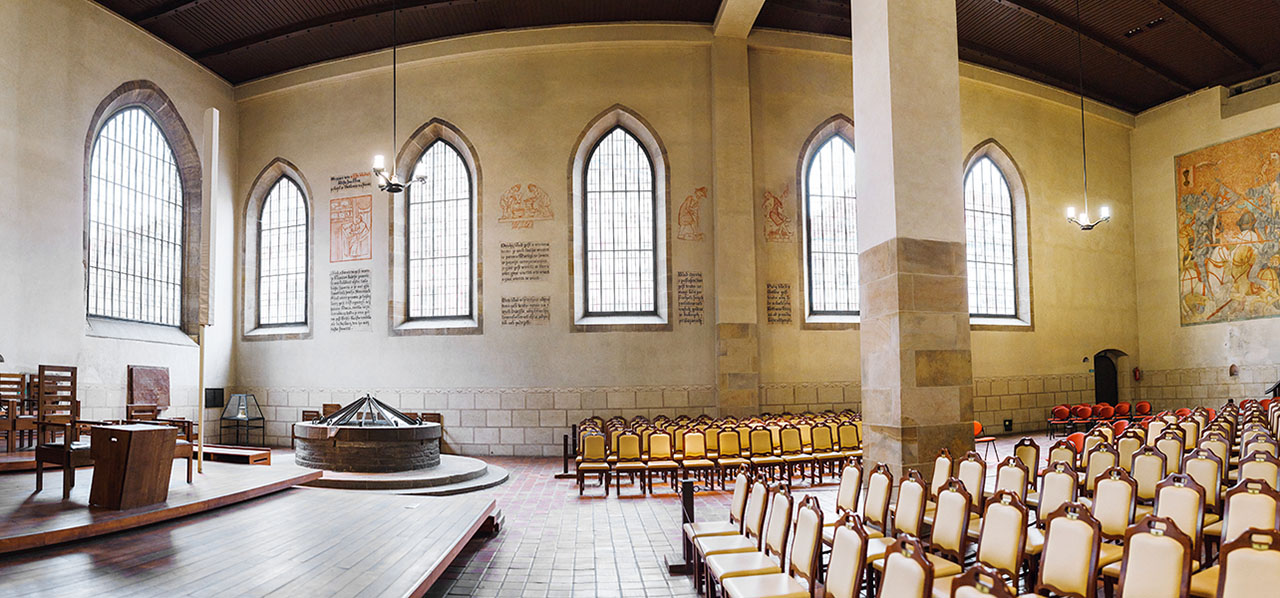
373 449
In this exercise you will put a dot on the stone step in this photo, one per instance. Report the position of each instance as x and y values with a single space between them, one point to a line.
493 477
453 469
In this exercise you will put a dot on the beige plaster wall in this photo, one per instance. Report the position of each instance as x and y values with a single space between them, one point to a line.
1180 126
1083 298
58 60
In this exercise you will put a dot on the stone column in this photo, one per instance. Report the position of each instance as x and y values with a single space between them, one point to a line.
917 394
737 340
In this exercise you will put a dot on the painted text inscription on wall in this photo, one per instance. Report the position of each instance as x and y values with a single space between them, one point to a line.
525 260
778 302
350 300
530 310
689 303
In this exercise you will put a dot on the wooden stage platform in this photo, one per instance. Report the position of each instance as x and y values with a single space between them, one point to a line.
29 519
18 461
298 542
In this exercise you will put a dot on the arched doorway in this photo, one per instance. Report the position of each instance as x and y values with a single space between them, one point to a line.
1106 380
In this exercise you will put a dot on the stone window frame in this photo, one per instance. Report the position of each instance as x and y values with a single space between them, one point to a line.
400 324
838 124
194 311
602 124
262 185
1024 321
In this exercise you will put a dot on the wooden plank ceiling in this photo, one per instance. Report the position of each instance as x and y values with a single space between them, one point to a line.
1137 53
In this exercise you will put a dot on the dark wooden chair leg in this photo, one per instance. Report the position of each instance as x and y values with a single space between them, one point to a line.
188 470
68 480
39 475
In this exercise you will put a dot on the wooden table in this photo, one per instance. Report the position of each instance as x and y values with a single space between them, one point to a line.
131 465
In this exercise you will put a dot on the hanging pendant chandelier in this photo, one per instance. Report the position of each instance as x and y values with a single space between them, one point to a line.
1081 218
387 181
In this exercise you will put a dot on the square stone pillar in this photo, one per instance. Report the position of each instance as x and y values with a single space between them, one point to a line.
917 375
737 335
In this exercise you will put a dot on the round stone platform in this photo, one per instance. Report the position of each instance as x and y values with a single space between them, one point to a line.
454 475
381 449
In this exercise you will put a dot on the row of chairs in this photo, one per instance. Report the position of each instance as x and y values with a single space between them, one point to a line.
1072 418
1106 526
708 449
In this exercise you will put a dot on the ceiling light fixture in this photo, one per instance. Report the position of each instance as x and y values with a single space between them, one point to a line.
1081 219
387 180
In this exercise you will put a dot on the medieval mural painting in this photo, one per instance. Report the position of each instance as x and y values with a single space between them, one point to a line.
689 217
778 224
522 205
1229 230
351 228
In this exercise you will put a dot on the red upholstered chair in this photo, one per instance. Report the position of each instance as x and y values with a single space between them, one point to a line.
1104 412
1213 413
1182 412
1077 440
979 438
1119 426
1124 411
1059 419
1080 416
1142 409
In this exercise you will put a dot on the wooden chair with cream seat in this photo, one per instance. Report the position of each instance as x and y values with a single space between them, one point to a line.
737 510
908 517
875 508
849 434
759 501
1154 429
711 433
694 459
980 582
1259 444
1148 468
593 462
1064 451
949 540
972 472
1103 457
730 458
629 462
1259 466
1180 499
805 562
1218 444
793 456
1190 432
845 567
907 572
1251 503
661 461
763 459
1205 468
1249 567
943 469
1058 486
825 454
1171 444
1094 438
1001 540
1070 561
1157 561
1113 506
769 557
847 493
1027 451
1128 443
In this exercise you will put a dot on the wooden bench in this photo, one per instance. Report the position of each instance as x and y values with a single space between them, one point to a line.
238 454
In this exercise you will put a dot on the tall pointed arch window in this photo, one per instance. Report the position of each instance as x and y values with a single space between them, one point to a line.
831 230
619 222
282 256
439 199
996 238
135 222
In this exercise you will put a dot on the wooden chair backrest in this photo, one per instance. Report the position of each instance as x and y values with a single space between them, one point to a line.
848 558
1157 558
1027 451
1114 502
907 573
1249 504
1003 536
1250 565
57 400
949 535
979 582
1180 498
1069 564
12 386
806 548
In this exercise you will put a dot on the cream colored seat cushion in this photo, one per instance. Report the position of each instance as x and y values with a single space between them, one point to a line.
1109 553
710 528
1205 583
696 463
725 566
1213 529
1035 541
709 545
777 585
829 534
941 566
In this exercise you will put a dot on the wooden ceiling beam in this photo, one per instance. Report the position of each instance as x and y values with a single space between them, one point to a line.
166 10
1097 40
375 11
735 18
1208 33
1015 65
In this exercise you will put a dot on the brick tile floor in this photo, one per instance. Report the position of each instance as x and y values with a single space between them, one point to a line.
557 544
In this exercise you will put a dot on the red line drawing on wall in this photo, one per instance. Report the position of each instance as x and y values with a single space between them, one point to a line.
690 216
523 209
778 226
351 228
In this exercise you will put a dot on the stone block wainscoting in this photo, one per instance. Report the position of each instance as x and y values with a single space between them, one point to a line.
797 397
527 422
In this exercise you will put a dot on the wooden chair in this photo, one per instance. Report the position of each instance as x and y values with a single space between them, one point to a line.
1114 502
759 500
978 582
12 393
1250 566
1070 561
59 414
875 510
777 531
593 462
907 573
1157 561
804 565
629 461
737 511
730 457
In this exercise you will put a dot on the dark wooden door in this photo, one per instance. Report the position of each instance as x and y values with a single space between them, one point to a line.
1105 383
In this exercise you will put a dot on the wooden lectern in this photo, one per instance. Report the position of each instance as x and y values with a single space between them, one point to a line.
132 464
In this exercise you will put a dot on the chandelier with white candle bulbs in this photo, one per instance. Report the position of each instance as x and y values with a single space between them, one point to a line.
387 181
1081 218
